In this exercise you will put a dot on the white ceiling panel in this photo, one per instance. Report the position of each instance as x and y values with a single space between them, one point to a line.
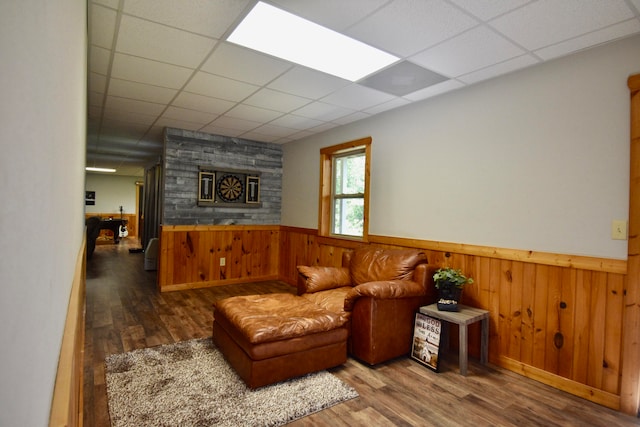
239 63
357 97
322 111
307 83
166 63
103 23
99 60
252 113
405 27
547 22
612 32
296 122
206 17
499 69
158 42
176 123
193 101
220 87
278 101
141 91
133 106
471 51
236 124
188 115
488 9
154 73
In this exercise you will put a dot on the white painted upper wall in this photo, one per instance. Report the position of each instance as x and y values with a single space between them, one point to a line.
112 191
42 135
535 160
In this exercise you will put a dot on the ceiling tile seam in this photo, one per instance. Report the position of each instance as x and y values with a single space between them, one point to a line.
109 68
179 91
170 26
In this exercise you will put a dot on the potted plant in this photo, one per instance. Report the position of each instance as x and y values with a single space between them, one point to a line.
450 281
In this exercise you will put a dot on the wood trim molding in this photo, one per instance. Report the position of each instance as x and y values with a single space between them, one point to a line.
593 394
607 265
630 385
67 403
546 258
179 228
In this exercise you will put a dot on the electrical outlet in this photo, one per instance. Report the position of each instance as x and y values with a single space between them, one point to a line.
619 229
223 262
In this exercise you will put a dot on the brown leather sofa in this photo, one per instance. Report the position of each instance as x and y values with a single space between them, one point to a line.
378 291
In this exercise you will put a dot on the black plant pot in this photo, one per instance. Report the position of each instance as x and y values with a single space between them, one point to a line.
449 297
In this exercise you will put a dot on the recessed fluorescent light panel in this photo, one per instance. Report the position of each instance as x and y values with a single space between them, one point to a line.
91 169
278 33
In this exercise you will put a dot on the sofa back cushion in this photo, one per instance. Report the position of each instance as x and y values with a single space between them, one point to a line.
322 278
376 264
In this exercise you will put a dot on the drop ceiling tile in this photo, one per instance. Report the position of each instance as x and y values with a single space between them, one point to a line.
99 60
102 24
323 112
233 123
295 122
193 101
219 87
274 100
97 82
351 118
249 112
130 117
334 14
434 90
357 97
613 32
488 9
206 17
155 73
188 115
161 43
140 91
238 63
109 3
307 83
405 27
219 130
179 124
475 49
499 69
389 105
547 22
272 130
133 106
254 136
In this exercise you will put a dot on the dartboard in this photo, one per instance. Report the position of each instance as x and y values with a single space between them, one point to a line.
229 188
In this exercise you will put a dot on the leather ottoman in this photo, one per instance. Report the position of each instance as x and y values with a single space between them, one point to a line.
274 337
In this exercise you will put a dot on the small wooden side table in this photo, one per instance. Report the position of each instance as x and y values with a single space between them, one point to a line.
464 317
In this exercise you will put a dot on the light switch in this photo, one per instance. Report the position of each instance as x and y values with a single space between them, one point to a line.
619 229
223 262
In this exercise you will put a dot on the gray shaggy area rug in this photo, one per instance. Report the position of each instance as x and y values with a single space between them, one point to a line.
190 384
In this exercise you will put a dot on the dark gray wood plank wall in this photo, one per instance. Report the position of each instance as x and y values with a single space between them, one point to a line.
185 151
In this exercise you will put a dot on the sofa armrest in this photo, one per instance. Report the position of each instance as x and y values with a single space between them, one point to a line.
389 289
317 278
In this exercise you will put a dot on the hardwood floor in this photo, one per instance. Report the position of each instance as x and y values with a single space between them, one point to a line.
126 312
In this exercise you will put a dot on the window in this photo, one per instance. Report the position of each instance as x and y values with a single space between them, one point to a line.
344 189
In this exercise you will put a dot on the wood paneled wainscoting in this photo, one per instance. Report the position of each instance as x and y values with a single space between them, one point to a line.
554 318
196 256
